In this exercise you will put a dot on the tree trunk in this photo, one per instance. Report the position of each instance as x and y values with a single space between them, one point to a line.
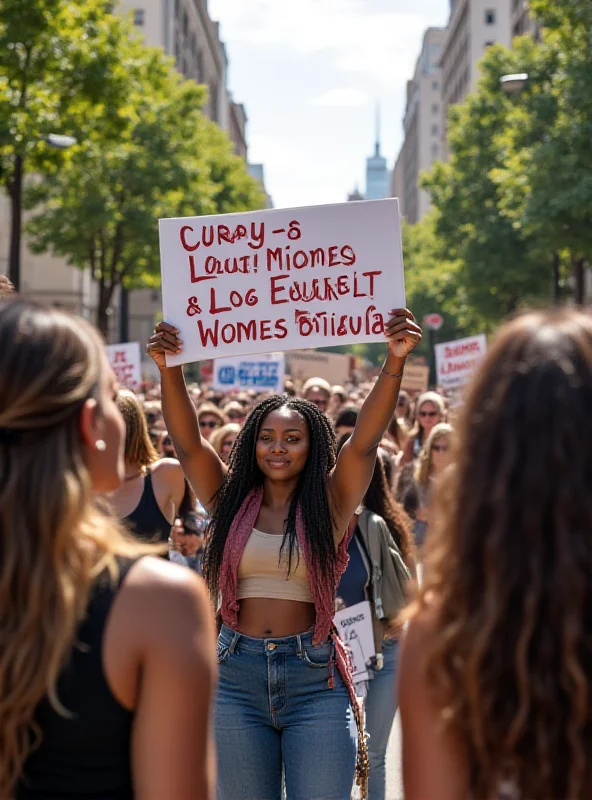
579 280
104 308
16 222
556 286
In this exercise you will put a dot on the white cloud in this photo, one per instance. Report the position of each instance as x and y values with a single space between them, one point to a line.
264 148
342 98
381 44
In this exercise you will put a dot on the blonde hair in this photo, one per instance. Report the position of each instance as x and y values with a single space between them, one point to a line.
138 444
424 464
55 540
217 438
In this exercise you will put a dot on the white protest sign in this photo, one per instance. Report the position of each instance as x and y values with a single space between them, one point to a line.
264 373
287 279
457 361
126 364
354 625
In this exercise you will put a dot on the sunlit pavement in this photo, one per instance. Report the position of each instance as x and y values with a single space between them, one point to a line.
394 782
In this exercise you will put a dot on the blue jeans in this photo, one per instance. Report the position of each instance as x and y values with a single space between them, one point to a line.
275 712
381 707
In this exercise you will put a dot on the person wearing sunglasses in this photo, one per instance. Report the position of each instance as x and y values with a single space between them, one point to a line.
430 411
209 417
234 412
317 391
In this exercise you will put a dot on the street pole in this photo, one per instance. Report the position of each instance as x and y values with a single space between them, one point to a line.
431 345
124 315
16 207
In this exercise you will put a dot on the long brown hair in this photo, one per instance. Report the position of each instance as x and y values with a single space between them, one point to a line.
380 500
54 540
138 444
508 571
423 471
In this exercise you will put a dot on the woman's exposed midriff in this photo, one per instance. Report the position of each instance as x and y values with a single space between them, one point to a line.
265 617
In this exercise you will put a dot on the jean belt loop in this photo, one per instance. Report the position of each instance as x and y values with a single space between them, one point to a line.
234 642
300 652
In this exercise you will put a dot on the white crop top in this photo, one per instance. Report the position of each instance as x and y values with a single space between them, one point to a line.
260 573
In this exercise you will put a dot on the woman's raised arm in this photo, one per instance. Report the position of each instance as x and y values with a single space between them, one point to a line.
201 464
350 479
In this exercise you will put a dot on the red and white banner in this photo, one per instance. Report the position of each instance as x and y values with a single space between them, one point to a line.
457 361
281 279
126 364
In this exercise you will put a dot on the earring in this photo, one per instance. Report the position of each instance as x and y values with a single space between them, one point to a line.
100 445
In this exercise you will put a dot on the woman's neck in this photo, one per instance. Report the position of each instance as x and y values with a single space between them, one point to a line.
277 496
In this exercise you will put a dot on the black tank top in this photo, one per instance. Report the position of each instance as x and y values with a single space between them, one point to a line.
87 755
147 520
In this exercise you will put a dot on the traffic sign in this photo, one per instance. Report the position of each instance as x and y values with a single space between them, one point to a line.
433 321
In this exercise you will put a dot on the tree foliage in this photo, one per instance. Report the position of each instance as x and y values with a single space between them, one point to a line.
145 151
61 69
500 265
517 189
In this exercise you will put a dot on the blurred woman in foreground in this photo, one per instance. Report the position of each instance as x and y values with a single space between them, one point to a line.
496 673
99 646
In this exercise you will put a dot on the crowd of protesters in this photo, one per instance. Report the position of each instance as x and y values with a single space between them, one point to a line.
293 506
221 416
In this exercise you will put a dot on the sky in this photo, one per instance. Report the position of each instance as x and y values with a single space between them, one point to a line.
310 74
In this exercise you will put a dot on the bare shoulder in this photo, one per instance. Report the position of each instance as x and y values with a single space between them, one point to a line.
416 642
166 466
168 472
162 593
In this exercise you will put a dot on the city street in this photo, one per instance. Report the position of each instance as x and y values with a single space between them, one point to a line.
394 781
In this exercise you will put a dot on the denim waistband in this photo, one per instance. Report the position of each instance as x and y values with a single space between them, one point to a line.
292 645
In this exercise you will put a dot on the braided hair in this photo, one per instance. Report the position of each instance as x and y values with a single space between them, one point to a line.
310 495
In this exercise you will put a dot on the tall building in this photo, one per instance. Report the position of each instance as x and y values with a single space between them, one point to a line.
522 22
355 196
237 127
422 128
184 30
377 174
474 26
257 171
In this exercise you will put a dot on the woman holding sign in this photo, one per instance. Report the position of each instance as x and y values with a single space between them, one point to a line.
275 551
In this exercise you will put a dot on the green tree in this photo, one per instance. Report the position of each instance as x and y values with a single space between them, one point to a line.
60 68
101 210
501 265
558 166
